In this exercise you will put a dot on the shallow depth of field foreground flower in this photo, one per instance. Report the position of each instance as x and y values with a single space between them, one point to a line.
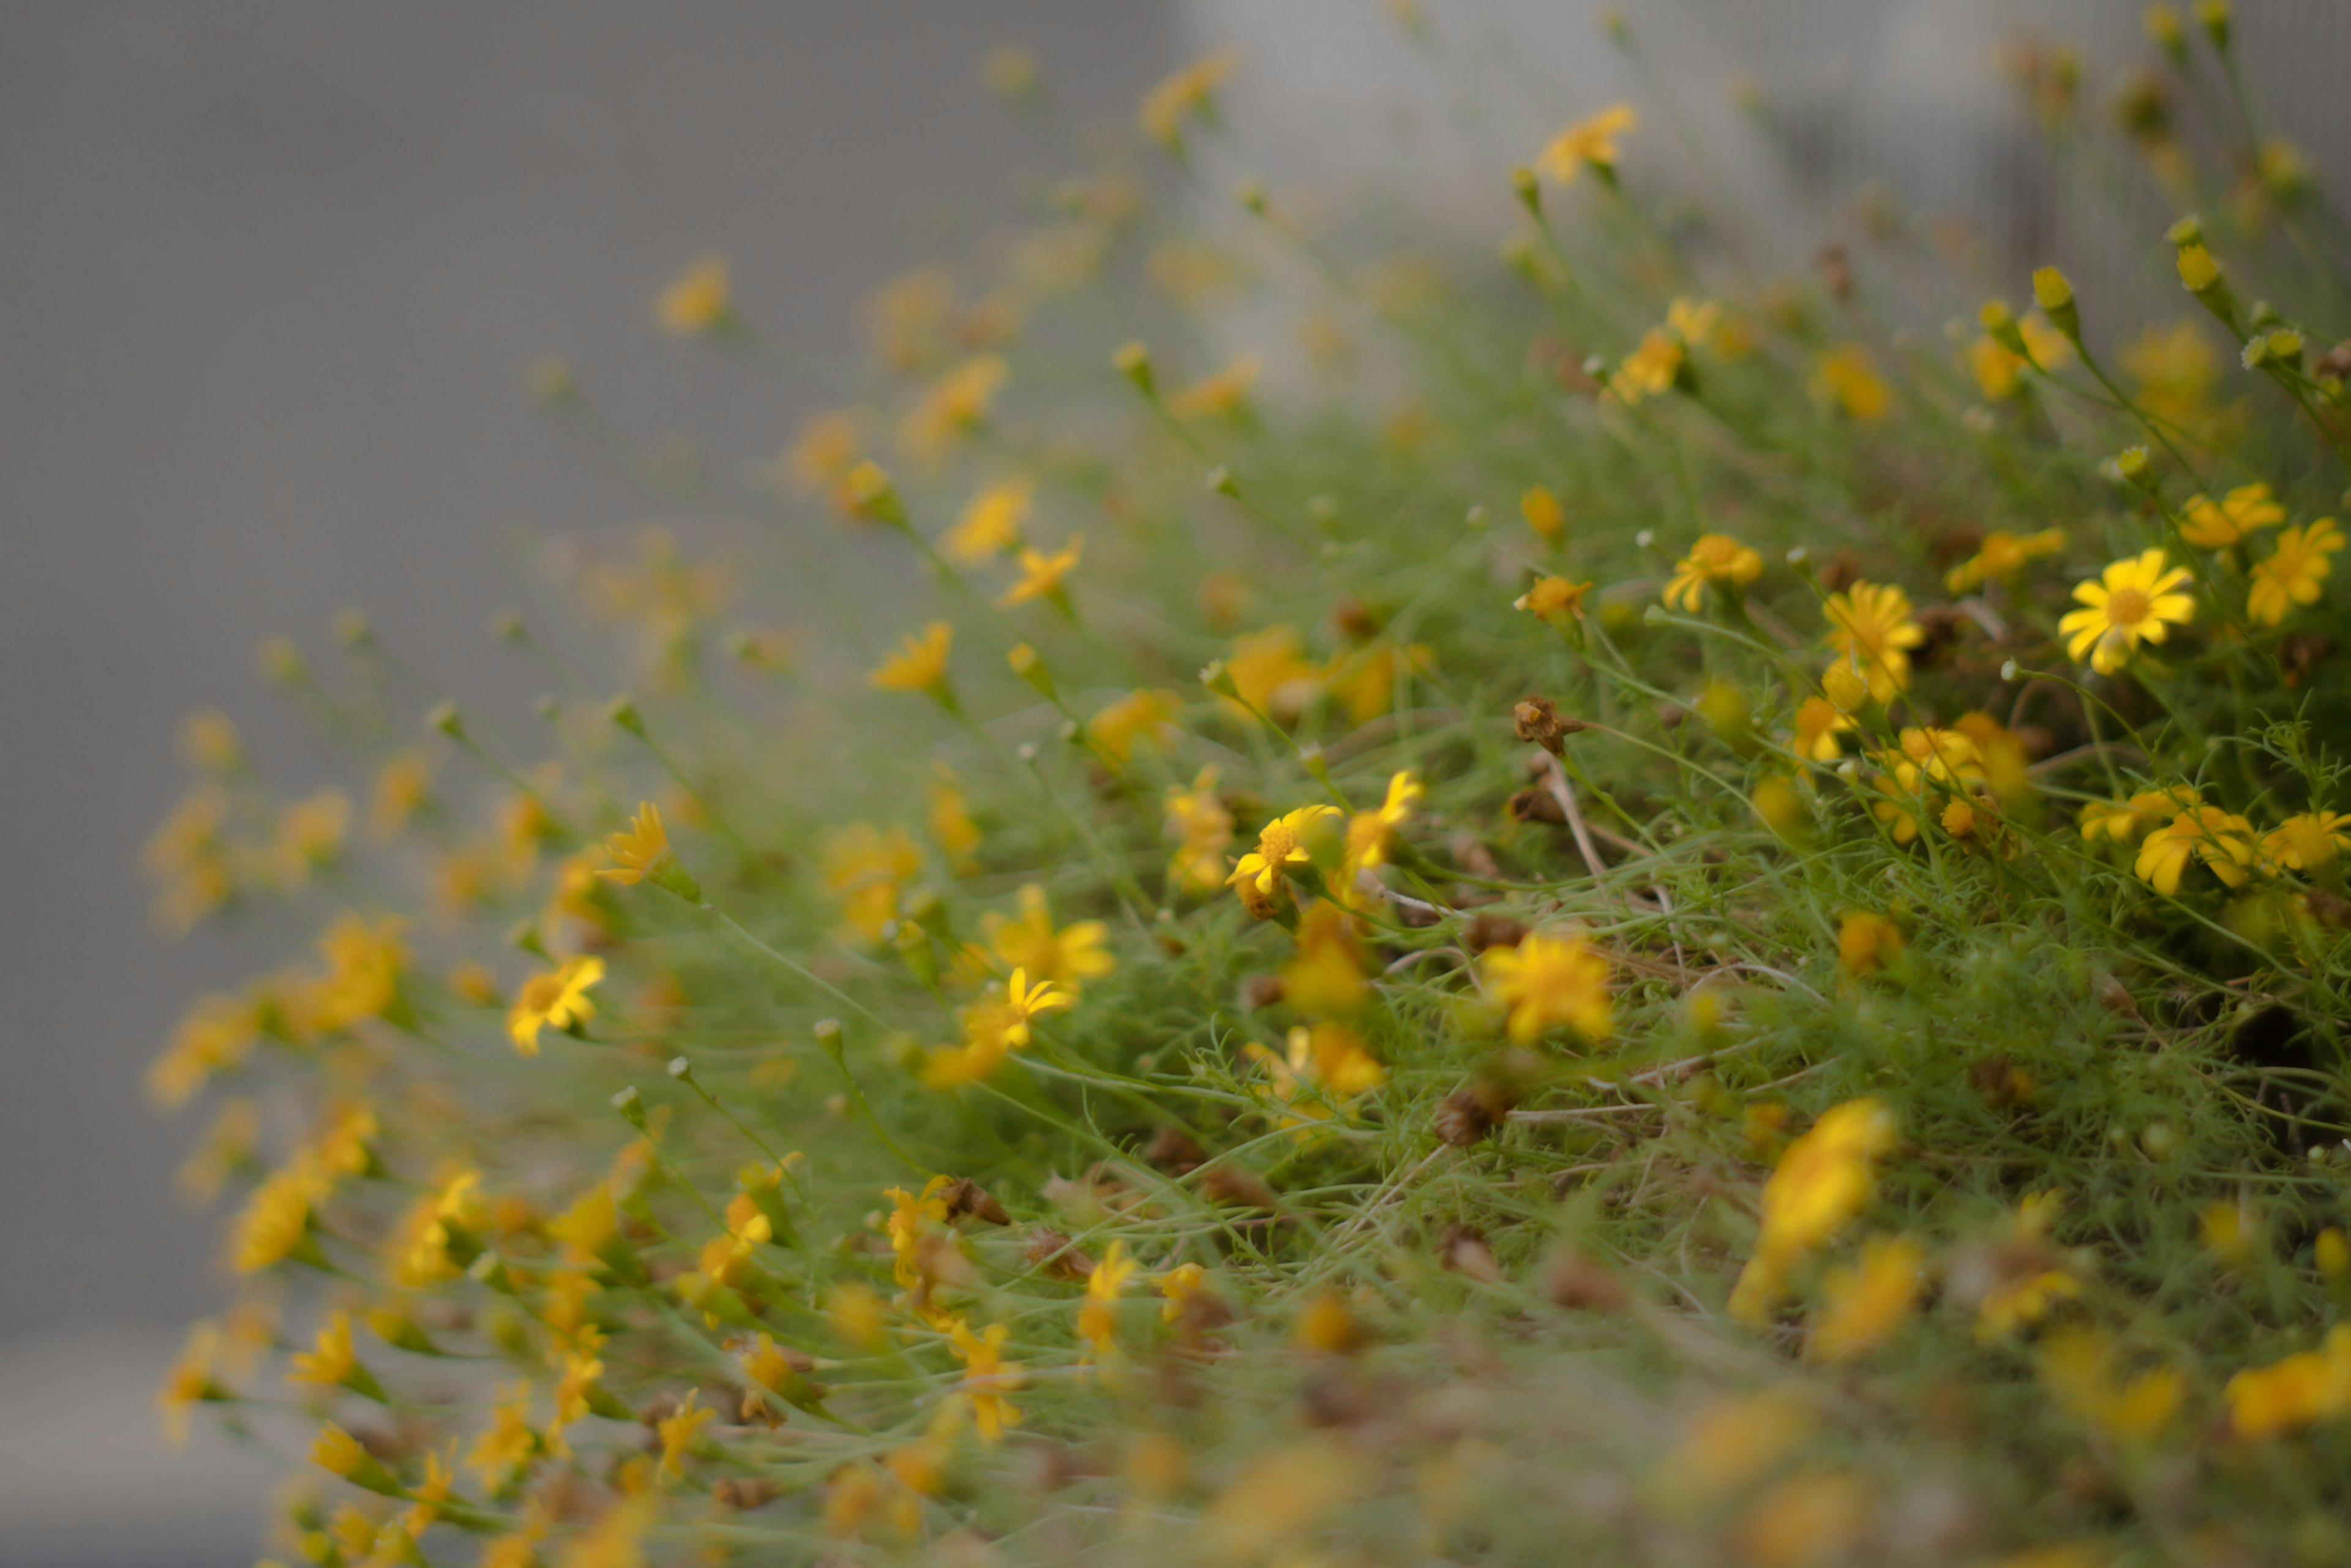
1582 900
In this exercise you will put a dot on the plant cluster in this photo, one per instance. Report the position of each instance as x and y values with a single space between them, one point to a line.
1619 917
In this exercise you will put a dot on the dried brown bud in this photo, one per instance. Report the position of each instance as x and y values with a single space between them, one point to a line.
2302 654
1262 991
1173 1150
1536 720
964 1195
1468 1115
1357 621
1485 930
746 1491
1238 1185
2328 908
1462 1249
2334 365
1048 1251
1578 1283
1841 572
1536 806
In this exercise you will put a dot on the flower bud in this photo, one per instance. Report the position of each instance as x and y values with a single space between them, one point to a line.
2212 15
1529 190
1029 666
1220 480
1133 363
2164 30
1999 324
873 495
2053 292
631 1107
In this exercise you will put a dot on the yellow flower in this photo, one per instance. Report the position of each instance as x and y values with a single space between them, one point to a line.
1555 598
824 449
1822 1181
1591 141
193 1380
1650 370
1848 378
1098 1318
1041 575
402 785
2134 602
1024 1001
275 1221
1995 369
332 1363
920 664
2002 557
987 1376
1866 943
1183 95
1132 718
310 834
1030 943
218 1033
2122 821
2078 1365
1870 624
1198 819
2174 368
991 524
639 849
1223 393
1861 1307
2214 525
1179 1285
509 1443
2308 841
1818 725
2022 1301
2198 270
699 300
1271 672
1544 513
2292 572
1335 1056
1546 981
2221 840
909 1222
558 999
866 868
1713 558
956 404
1370 832
1281 843
2304 1389
434 1239
677 1430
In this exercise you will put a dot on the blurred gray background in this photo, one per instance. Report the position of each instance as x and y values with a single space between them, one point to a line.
270 275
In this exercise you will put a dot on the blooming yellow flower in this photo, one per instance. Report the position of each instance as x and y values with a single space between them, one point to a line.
2123 822
677 1429
194 1379
1198 819
639 849
1098 1317
2306 1388
1281 843
699 300
332 1361
1822 1179
2290 573
1334 1056
1848 378
2134 602
986 1376
920 664
2221 840
1866 943
1183 95
2002 557
1041 575
1222 394
2307 842
991 524
1591 141
275 1221
1132 720
1546 981
1713 558
866 868
1370 832
1555 598
1023 1002
1861 1307
955 406
1030 942
558 999
1818 725
2215 525
1870 623
1650 370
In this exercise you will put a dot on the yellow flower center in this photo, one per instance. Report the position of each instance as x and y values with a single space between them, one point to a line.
2129 606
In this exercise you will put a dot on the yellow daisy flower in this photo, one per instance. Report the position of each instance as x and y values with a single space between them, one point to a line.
1870 623
558 999
1546 981
2134 602
2215 525
1713 558
1591 141
2292 571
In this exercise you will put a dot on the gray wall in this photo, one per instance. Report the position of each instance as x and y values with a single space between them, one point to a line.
269 277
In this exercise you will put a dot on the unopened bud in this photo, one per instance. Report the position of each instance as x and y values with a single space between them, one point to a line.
1527 189
681 1069
1999 324
1219 680
1251 196
444 716
1220 480
2212 15
1133 363
1029 666
623 712
2053 292
631 1107
873 495
2164 29
352 628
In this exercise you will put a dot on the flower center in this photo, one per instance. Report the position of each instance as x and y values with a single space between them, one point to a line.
2128 606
